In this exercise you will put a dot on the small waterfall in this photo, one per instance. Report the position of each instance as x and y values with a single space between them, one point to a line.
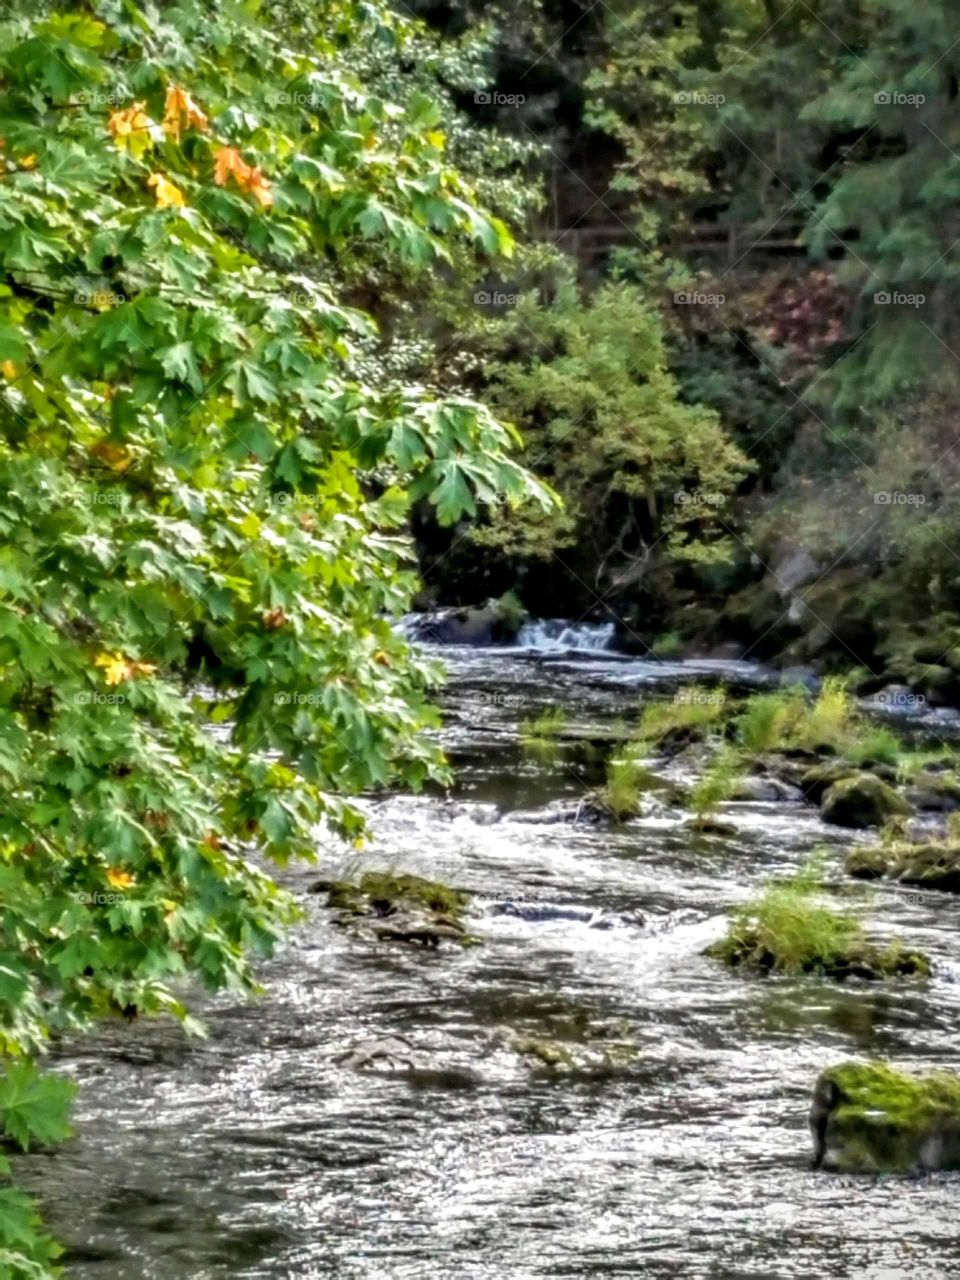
550 635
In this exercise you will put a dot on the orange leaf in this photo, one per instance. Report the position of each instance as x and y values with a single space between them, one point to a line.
247 177
180 109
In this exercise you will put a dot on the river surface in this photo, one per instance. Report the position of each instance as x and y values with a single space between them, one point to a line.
257 1155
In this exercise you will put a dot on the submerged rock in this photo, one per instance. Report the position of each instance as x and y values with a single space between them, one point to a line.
391 1051
862 800
765 789
932 866
868 1118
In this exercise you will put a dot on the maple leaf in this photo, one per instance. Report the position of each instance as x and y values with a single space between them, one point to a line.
133 130
179 110
167 193
250 178
120 879
117 668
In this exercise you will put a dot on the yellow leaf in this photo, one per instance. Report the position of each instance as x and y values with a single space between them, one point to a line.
437 138
29 162
117 668
119 879
166 192
133 129
359 843
10 370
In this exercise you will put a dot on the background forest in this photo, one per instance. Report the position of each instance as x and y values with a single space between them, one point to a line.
729 339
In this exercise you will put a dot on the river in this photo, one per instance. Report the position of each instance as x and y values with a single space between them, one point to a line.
257 1155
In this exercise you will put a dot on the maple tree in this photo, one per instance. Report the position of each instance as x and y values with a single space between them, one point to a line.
202 503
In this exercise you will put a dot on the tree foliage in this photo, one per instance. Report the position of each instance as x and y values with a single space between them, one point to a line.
202 505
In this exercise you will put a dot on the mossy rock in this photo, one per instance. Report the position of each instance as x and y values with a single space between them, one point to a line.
935 793
862 800
389 886
868 1118
930 866
745 949
817 781
400 908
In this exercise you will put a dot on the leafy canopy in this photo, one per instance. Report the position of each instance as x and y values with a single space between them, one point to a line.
202 506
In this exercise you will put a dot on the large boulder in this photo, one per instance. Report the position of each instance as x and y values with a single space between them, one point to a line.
862 800
868 1118
929 866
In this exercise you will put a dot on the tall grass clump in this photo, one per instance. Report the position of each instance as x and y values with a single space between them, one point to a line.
628 777
539 733
768 720
696 709
716 785
788 927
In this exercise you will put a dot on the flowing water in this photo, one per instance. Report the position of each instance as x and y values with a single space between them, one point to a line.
257 1154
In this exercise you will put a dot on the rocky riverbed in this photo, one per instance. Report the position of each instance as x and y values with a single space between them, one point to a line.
576 1091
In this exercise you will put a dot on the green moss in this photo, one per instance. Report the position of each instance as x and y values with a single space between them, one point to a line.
930 866
867 1117
862 800
789 929
386 885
